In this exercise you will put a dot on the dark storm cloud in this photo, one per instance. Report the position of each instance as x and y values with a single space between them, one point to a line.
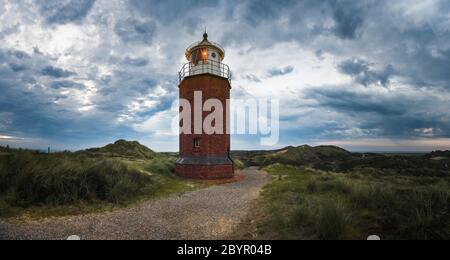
66 84
16 54
194 25
135 86
264 23
54 72
425 68
362 72
9 30
170 11
384 115
134 31
32 109
257 11
18 67
251 78
31 104
319 54
64 11
144 85
17 61
31 112
349 18
275 72
348 101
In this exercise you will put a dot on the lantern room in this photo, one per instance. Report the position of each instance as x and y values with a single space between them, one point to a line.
205 57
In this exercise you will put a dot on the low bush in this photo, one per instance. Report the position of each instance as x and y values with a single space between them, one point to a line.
312 186
334 185
238 164
332 222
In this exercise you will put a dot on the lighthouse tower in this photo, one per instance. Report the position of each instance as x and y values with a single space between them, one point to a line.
205 77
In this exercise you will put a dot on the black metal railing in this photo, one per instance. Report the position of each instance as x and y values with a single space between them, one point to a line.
205 67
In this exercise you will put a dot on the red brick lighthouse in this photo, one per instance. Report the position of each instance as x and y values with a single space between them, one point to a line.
205 155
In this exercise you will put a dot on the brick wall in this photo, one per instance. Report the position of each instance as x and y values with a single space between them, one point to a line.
204 172
212 87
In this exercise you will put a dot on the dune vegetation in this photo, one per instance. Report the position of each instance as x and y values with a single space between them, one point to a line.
68 183
331 158
307 203
328 193
320 192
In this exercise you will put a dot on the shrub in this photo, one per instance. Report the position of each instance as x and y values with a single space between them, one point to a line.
5 209
334 185
238 164
332 222
301 215
373 196
424 214
312 186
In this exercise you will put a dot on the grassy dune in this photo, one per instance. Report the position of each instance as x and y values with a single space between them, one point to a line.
326 192
331 158
68 183
303 203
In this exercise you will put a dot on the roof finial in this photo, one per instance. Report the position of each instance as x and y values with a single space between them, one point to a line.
205 35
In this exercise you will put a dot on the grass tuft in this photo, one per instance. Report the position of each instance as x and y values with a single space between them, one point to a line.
332 222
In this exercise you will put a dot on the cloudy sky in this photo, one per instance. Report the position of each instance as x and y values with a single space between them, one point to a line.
365 75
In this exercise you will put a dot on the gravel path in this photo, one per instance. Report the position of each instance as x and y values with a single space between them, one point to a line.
210 213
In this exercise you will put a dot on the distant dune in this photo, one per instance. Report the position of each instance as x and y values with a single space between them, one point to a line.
332 158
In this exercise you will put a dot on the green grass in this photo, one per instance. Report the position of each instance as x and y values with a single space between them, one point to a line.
333 222
39 184
238 164
303 203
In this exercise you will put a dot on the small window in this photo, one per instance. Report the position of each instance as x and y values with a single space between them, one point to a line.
197 143
214 55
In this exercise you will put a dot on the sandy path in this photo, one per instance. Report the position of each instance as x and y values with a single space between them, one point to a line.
210 213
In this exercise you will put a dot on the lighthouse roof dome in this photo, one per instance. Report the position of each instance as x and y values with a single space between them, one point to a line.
205 43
